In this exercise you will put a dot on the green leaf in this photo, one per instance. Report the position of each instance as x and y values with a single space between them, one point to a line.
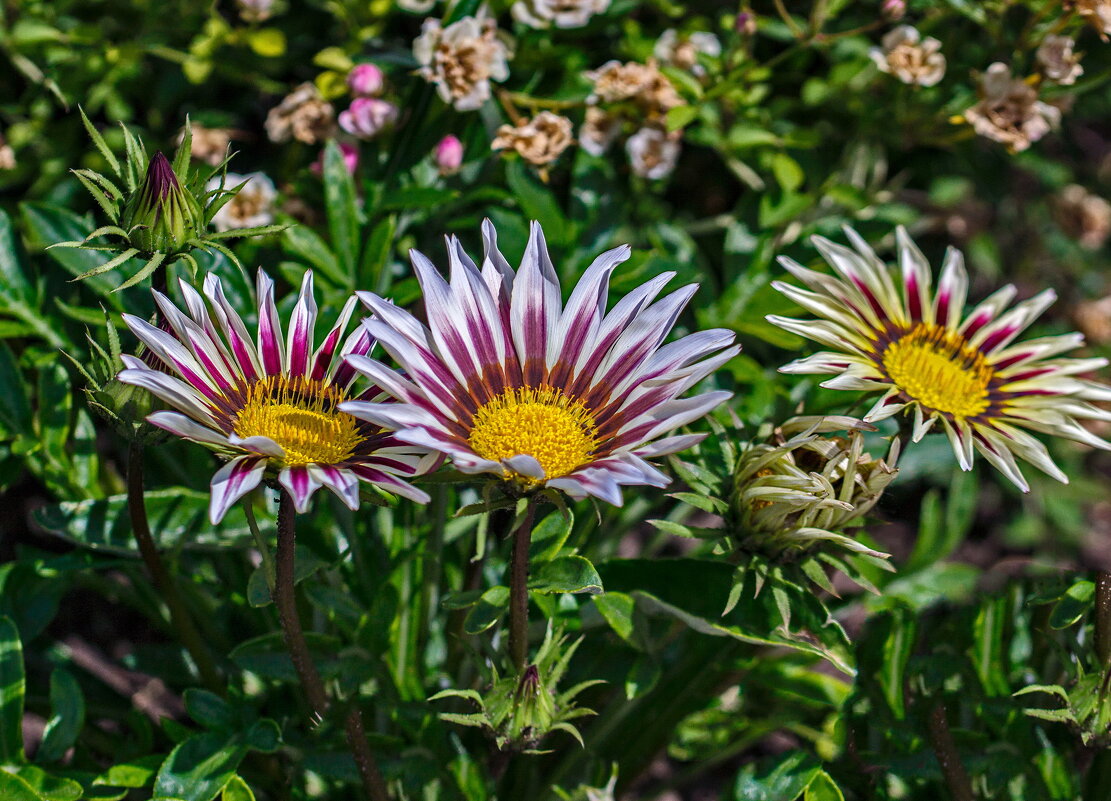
537 201
566 574
823 788
786 781
267 42
134 774
47 786
1073 605
486 612
695 591
617 609
680 117
15 407
302 241
267 655
13 270
47 225
67 705
897 649
306 562
178 518
208 709
12 688
99 143
341 206
989 656
13 788
373 271
199 767
237 790
549 535
787 172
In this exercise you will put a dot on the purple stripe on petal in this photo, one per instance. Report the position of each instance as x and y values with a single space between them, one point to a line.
301 327
269 327
300 483
1003 334
232 482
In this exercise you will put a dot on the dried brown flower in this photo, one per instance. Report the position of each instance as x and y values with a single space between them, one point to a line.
303 115
910 58
1009 110
539 141
462 59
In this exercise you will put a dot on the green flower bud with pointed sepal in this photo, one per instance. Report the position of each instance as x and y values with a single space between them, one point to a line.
161 215
159 212
123 406
519 711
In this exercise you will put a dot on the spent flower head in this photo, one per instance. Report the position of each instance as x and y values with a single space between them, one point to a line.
1058 61
539 141
1009 110
461 59
909 57
560 13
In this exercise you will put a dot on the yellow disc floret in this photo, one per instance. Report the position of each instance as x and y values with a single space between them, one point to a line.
937 367
557 431
300 415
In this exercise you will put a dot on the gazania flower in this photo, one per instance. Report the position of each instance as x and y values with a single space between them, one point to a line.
964 373
270 405
507 380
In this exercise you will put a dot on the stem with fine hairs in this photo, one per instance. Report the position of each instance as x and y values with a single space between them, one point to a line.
311 683
518 590
180 619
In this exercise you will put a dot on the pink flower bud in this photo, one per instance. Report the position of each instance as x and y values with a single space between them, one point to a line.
745 23
350 159
449 155
367 117
366 80
893 10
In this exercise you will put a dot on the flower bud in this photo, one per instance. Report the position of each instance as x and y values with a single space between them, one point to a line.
801 490
367 117
745 23
161 215
366 80
449 155
893 10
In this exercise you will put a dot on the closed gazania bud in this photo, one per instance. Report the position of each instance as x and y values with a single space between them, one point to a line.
161 216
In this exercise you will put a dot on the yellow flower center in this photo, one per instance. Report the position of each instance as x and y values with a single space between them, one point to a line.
557 431
938 368
300 415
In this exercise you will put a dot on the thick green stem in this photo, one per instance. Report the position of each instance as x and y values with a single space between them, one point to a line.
286 602
945 749
518 590
179 615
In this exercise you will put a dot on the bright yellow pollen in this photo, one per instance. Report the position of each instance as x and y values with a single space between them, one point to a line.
557 431
300 415
938 368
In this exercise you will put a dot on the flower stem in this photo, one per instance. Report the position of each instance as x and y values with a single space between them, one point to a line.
179 615
945 749
286 602
311 683
518 590
1103 618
